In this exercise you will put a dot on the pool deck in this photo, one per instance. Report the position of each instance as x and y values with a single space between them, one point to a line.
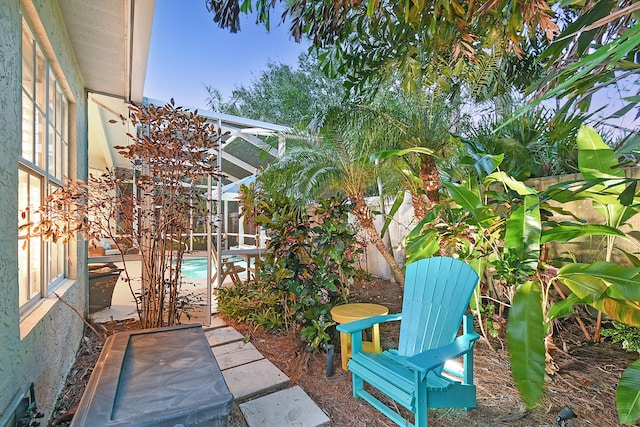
259 388
123 303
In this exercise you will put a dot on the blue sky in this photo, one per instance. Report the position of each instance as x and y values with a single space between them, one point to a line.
188 50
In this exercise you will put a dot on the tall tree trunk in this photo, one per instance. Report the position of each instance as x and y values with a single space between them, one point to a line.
430 176
363 213
419 208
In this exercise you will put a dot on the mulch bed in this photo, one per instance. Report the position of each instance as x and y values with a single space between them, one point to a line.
585 379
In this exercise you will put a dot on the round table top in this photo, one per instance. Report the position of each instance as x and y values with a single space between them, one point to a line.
349 312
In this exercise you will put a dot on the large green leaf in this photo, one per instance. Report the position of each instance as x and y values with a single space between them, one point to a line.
593 280
625 311
517 186
525 339
389 217
417 230
471 201
522 236
595 158
566 232
479 265
633 259
463 197
563 308
483 163
424 245
628 394
627 197
586 287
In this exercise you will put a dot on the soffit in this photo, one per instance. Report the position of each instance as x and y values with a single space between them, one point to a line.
110 40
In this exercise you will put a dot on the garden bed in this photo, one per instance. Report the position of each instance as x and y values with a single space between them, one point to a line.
586 376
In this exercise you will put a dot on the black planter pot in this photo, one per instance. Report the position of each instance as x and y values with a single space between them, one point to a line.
102 282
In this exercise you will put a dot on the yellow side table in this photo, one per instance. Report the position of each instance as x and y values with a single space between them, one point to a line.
350 312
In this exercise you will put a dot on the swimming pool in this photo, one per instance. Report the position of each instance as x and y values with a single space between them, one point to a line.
196 268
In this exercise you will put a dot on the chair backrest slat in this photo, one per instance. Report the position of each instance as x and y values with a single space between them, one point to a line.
436 294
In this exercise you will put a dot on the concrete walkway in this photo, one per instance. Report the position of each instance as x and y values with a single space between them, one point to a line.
257 385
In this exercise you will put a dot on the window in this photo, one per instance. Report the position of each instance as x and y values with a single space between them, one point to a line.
44 159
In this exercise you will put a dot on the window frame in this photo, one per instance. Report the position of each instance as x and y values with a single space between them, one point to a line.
45 140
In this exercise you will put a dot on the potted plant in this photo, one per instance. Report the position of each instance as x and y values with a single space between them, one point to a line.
102 281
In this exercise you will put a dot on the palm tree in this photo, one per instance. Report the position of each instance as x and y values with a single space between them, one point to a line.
313 168
415 132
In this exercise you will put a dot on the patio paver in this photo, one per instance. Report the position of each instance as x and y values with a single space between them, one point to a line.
289 407
251 379
221 336
216 322
247 373
235 354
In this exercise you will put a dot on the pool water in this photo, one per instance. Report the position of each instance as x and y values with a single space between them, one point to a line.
196 268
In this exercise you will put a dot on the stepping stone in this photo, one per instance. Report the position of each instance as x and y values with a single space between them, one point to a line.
247 380
220 336
290 407
235 354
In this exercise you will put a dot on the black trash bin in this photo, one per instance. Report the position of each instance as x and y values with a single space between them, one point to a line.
156 377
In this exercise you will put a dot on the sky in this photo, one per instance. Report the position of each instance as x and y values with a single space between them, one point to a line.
189 51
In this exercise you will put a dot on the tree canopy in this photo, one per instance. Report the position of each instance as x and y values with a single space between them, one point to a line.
283 94
595 43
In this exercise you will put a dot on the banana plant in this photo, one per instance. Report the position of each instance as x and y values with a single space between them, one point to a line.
526 327
609 287
518 224
613 196
524 234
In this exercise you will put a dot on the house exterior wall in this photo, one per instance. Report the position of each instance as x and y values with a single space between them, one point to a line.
10 71
40 345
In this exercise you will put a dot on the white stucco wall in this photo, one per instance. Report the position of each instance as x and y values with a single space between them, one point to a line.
10 64
40 346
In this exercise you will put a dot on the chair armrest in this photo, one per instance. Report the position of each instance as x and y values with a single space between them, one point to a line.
430 359
362 324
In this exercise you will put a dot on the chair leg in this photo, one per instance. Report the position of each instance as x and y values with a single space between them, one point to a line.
235 278
422 409
358 384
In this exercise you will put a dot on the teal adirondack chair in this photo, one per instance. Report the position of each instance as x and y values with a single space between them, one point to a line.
436 295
